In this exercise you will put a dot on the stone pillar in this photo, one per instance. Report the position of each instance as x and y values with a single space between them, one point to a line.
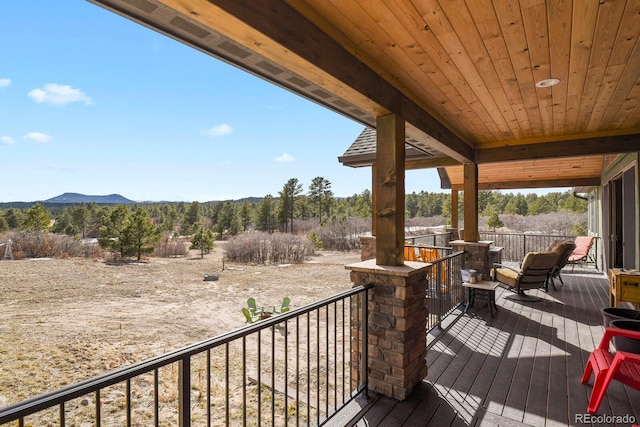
476 255
397 325
367 247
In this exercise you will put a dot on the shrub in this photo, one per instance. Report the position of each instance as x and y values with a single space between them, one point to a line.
263 248
38 244
170 246
343 235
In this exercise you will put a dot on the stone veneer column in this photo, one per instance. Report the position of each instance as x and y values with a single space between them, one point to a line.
397 325
367 247
476 255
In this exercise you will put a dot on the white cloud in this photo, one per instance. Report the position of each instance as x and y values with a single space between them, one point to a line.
55 94
285 158
38 137
7 139
5 82
223 129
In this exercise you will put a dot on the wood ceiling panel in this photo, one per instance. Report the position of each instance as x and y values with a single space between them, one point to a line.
547 172
487 83
489 30
475 62
442 73
509 17
559 14
535 28
607 26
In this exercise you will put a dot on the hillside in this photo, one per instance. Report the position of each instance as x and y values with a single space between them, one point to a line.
82 198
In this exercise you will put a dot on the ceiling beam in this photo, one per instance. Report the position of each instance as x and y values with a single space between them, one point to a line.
539 183
431 163
564 148
274 19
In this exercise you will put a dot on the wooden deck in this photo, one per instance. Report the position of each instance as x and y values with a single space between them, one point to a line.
521 368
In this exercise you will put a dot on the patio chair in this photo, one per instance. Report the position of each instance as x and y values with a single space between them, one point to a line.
606 366
580 254
284 307
563 249
249 318
428 254
533 273
253 308
410 252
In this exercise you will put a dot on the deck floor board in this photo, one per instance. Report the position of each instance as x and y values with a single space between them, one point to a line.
520 368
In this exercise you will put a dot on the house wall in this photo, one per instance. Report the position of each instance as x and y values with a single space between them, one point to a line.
613 167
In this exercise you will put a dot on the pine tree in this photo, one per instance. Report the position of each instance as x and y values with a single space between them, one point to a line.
112 236
290 191
36 219
140 234
203 240
319 191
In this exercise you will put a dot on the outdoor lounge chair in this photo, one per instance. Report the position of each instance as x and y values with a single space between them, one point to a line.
249 318
606 366
563 249
410 252
284 307
253 308
533 273
580 254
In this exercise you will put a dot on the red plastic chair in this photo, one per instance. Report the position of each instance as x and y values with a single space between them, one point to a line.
606 366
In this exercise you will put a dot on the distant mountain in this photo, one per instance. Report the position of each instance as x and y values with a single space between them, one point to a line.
82 198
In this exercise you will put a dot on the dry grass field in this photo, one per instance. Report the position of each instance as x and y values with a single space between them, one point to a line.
65 320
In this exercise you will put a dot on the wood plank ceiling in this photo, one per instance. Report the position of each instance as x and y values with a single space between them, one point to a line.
462 73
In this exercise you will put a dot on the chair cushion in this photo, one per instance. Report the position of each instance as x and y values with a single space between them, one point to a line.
539 260
506 276
563 250
538 264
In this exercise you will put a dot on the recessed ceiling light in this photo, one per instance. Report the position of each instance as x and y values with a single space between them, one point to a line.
547 82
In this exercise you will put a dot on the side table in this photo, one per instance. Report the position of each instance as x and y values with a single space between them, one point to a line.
624 285
482 289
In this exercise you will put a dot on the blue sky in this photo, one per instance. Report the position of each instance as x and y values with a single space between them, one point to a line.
93 103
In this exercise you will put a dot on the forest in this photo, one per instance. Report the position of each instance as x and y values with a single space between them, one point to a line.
135 229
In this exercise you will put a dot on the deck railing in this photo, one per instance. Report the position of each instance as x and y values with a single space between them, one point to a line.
437 238
291 368
516 245
445 292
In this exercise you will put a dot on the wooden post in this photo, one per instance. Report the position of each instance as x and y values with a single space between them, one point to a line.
454 208
470 202
389 181
374 193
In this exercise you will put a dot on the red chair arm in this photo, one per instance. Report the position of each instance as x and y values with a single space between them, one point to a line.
612 332
628 357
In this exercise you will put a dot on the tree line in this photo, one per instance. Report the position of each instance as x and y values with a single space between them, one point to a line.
131 230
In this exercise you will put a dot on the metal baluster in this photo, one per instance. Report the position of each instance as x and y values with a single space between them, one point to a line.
156 397
297 371
128 408
184 379
98 419
273 376
286 372
209 388
228 386
259 377
244 380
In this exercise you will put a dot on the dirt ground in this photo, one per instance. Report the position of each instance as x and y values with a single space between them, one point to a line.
62 321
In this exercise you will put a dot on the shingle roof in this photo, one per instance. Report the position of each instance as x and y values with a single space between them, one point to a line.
362 151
